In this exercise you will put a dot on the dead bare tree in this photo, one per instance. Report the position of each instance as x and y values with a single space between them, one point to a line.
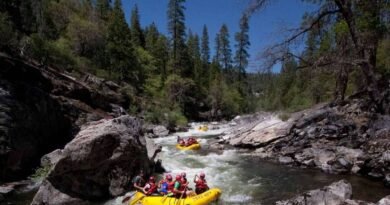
363 40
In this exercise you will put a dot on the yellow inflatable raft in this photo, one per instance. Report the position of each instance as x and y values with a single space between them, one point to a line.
203 128
201 199
191 147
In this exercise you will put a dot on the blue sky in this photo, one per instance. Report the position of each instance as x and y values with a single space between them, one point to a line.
266 26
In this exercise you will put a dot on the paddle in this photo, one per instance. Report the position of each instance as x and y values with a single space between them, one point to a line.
165 197
182 194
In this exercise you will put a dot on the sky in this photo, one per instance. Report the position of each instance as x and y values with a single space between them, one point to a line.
266 26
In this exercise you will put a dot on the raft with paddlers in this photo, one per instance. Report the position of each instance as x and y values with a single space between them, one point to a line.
203 128
205 198
190 144
191 147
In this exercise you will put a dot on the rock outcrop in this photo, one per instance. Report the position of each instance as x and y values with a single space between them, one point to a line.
97 164
336 139
264 129
41 109
338 193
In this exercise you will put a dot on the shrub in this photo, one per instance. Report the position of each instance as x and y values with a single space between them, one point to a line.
284 116
40 173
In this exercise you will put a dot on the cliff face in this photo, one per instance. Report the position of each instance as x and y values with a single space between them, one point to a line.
41 109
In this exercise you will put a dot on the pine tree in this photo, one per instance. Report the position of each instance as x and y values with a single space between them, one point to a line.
193 45
157 45
205 50
242 46
176 28
119 47
152 36
195 56
137 35
103 8
217 56
225 51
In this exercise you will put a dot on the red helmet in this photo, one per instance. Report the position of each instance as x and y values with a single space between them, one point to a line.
202 175
169 177
178 177
151 178
183 174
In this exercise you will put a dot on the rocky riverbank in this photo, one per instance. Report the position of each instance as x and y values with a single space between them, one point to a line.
338 193
336 139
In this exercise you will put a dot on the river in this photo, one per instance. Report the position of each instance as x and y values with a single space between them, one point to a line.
244 179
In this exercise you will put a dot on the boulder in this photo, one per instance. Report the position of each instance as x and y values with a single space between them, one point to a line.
160 131
47 194
98 163
336 194
384 201
286 160
387 180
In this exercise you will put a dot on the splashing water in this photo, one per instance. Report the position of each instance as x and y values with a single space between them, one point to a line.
247 180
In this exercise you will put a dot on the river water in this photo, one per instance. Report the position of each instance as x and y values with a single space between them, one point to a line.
244 179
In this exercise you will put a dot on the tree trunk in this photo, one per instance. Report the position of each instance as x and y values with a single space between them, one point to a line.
341 84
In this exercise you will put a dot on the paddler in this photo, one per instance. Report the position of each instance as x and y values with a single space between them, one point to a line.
150 187
139 181
200 183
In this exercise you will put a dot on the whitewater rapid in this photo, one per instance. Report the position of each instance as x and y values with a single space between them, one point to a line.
244 179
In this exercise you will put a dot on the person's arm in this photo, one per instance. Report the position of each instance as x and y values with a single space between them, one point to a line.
147 186
195 178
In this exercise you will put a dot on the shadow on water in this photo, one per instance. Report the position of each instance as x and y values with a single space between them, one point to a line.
280 182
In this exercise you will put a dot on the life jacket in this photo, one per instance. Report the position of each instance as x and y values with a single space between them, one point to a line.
183 183
201 184
164 187
171 185
152 189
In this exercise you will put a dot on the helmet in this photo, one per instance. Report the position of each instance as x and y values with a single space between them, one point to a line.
169 177
183 174
178 177
151 178
202 175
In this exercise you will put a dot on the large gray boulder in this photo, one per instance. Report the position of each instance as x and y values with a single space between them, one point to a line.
338 193
160 131
98 163
335 194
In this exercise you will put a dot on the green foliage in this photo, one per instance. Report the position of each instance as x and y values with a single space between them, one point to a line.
41 173
7 33
176 28
120 49
137 35
205 48
284 116
383 60
84 36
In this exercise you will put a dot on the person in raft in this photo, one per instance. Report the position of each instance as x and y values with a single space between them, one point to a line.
191 141
139 181
150 187
166 185
180 190
200 183
180 141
